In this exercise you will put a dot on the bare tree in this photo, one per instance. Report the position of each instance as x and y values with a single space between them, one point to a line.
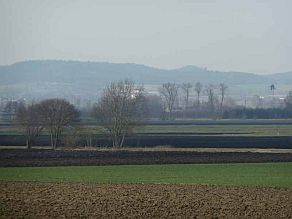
169 93
198 89
222 88
119 109
186 87
29 118
57 114
210 92
288 101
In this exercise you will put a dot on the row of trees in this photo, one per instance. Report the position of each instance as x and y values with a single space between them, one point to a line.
52 114
122 106
169 93
118 110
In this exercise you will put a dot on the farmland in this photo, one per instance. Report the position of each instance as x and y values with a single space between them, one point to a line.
263 174
151 191
164 155
153 109
195 127
79 200
184 133
212 169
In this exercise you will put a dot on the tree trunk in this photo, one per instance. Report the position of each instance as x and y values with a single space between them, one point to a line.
122 141
52 141
28 144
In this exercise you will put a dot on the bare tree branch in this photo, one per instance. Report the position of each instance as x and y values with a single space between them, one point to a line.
222 88
169 93
56 115
210 92
119 109
29 118
186 87
198 89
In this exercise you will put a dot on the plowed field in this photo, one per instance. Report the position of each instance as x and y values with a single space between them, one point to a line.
39 157
75 200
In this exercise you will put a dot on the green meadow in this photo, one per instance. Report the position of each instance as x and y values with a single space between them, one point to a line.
249 174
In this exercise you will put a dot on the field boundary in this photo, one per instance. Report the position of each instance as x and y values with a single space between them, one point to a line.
188 141
41 157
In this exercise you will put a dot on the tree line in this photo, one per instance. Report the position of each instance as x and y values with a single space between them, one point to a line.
118 110
123 105
178 99
52 114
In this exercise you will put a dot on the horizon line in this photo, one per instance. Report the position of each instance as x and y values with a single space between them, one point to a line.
140 64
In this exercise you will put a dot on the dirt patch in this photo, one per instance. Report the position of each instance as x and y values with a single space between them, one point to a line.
61 200
11 158
173 139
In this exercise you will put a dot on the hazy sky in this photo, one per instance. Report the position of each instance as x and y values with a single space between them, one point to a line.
242 35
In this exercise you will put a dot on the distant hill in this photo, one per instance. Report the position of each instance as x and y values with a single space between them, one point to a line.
65 78
281 78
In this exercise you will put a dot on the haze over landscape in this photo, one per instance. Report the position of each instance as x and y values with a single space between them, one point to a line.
85 80
242 36
145 109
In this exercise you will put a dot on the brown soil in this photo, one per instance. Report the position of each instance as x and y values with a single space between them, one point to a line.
20 157
61 200
202 140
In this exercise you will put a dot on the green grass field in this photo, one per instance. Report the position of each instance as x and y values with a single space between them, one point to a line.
263 174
